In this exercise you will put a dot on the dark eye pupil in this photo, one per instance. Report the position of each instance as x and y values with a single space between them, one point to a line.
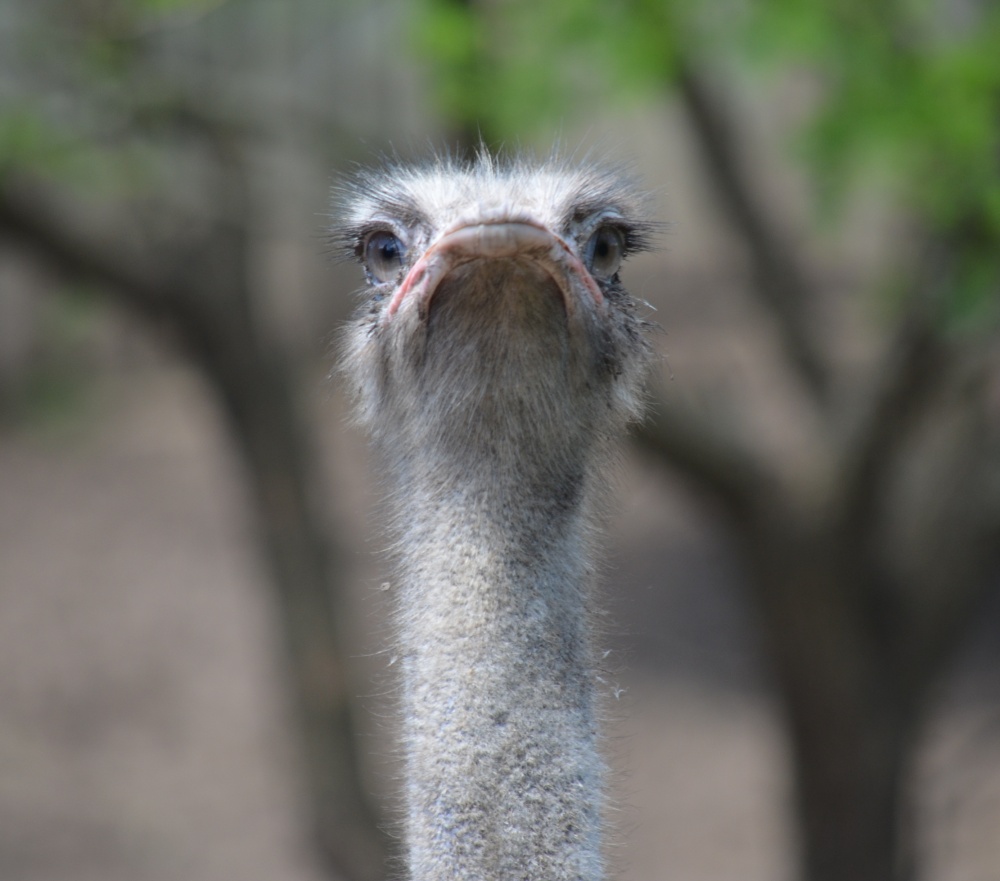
604 252
383 256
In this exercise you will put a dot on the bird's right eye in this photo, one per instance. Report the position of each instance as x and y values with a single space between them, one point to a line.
383 256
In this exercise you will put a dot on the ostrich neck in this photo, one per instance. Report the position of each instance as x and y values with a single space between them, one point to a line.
504 777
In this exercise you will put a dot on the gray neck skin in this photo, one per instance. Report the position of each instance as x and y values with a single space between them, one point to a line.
504 779
492 501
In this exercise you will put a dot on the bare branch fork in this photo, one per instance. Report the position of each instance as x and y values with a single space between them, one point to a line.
915 363
780 281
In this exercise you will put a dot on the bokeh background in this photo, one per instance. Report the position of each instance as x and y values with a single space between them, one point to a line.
803 640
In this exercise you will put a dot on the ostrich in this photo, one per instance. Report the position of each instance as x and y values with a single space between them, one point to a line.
495 362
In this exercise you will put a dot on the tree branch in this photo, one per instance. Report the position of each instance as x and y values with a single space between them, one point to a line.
24 219
956 549
709 457
903 384
779 279
917 362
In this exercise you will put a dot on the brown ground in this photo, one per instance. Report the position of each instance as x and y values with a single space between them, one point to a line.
143 733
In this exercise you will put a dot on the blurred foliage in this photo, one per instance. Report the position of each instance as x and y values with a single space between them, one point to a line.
72 83
56 387
906 89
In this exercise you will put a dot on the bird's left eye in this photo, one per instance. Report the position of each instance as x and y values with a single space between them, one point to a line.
383 255
604 252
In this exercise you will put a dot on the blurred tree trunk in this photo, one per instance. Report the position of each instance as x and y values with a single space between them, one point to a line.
858 624
202 292
854 650
257 384
852 722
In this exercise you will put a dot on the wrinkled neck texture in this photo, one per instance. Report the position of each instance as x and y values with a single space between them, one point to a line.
504 776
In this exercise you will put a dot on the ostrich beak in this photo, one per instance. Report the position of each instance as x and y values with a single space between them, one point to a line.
496 240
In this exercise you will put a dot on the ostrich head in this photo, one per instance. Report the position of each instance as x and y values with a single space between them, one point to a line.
495 317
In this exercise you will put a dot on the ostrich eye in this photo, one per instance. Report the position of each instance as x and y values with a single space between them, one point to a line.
383 256
604 252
